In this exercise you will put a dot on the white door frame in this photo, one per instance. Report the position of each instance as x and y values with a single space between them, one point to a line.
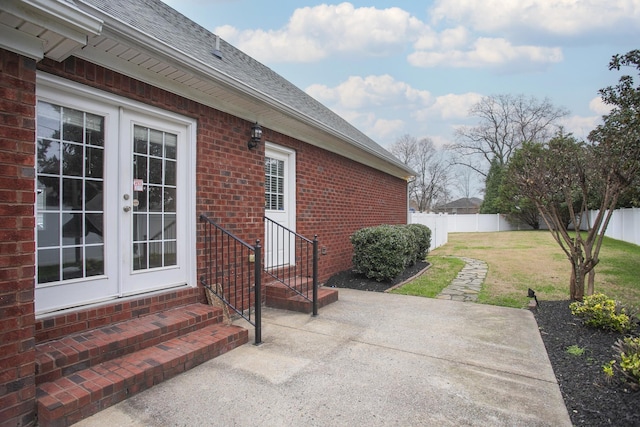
286 217
82 292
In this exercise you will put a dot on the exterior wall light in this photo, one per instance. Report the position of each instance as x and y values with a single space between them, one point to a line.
256 136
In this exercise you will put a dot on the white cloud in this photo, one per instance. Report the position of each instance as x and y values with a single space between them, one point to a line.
450 106
383 129
314 33
370 91
488 52
555 17
598 106
580 126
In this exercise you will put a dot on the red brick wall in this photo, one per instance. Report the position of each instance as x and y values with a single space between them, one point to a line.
17 247
335 195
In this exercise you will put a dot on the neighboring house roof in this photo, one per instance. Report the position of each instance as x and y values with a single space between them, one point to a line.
156 44
462 203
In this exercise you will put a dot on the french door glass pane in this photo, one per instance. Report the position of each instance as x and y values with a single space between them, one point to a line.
69 194
154 208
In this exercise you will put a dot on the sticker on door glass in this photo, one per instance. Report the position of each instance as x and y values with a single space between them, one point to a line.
138 185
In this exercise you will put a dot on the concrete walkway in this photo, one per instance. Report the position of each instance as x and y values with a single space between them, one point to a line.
370 359
466 286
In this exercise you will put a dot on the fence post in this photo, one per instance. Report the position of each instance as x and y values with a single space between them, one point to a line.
258 292
315 275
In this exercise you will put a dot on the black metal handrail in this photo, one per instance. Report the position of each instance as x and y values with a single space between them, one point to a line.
292 260
234 272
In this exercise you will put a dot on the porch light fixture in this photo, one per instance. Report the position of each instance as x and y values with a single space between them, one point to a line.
256 136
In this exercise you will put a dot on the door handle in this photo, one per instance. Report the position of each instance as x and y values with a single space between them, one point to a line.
126 208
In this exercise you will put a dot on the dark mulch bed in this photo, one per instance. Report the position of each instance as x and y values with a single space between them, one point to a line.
352 280
591 398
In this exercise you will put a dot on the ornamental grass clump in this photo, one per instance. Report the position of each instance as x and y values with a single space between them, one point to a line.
627 361
599 311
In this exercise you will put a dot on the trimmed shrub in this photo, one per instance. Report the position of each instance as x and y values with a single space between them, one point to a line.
422 235
383 252
601 312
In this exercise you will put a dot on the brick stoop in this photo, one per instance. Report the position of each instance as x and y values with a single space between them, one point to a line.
278 295
81 374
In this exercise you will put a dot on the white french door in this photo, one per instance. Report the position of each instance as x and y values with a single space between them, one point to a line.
280 205
153 202
115 199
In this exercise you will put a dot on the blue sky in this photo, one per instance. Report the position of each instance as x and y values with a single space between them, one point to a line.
415 67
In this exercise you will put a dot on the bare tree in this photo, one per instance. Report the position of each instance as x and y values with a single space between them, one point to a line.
505 122
464 181
432 176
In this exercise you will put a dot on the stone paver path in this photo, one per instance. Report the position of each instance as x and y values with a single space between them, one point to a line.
466 286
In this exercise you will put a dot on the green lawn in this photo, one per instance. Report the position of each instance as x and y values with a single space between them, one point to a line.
519 260
442 271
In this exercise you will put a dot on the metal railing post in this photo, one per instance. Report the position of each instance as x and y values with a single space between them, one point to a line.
315 275
258 292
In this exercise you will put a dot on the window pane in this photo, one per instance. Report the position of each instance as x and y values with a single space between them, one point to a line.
141 198
139 227
155 199
155 254
72 159
50 193
93 195
170 253
155 227
171 145
72 265
155 143
169 226
72 228
48 156
94 162
140 167
170 200
95 130
139 256
71 194
48 120
155 171
93 227
48 265
49 233
140 138
72 125
170 172
95 260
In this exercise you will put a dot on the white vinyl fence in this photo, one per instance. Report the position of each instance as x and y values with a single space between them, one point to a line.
624 225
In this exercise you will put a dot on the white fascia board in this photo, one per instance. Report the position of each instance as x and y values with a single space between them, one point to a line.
60 16
21 43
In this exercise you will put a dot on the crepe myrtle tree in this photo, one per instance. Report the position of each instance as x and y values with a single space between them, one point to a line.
569 174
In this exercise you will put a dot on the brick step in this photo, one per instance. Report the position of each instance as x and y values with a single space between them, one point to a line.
280 296
69 399
64 356
279 290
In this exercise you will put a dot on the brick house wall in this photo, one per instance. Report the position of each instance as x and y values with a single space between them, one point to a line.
17 240
335 197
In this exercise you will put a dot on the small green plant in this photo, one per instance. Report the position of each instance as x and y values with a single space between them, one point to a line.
601 312
628 356
575 350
